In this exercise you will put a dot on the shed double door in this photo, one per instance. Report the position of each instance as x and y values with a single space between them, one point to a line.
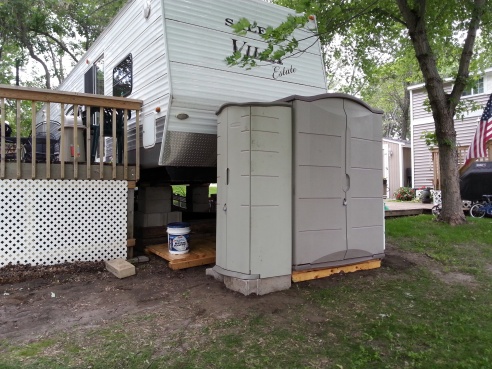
254 190
337 192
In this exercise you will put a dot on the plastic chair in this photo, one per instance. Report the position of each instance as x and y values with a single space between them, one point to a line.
41 149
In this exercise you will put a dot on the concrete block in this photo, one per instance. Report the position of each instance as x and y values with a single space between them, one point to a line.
174 216
273 284
201 208
150 219
155 193
200 194
149 205
120 268
260 286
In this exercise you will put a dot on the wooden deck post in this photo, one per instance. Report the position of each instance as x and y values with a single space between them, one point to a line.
2 138
130 219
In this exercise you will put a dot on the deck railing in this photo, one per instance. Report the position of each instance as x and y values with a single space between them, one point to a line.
19 157
461 160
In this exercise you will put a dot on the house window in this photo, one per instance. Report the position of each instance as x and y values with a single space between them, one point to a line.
476 89
123 77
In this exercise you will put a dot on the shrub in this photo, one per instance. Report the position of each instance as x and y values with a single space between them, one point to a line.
405 194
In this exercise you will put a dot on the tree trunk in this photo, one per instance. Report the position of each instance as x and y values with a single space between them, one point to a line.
47 75
405 113
443 108
452 207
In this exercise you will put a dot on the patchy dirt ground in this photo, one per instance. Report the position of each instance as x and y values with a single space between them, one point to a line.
38 301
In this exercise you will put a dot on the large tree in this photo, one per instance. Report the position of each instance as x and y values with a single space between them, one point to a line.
442 36
51 33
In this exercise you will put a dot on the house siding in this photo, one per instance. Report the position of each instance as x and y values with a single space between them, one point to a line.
422 158
422 120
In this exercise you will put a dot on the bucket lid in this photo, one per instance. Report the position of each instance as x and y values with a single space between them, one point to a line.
178 225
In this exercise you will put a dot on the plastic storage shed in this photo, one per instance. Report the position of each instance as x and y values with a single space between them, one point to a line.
254 197
338 209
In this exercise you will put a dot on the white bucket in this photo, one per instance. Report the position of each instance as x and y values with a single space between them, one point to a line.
178 235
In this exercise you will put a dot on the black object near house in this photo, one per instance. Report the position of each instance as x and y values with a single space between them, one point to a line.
476 181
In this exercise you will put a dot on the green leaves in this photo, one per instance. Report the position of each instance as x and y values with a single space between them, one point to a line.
280 43
49 31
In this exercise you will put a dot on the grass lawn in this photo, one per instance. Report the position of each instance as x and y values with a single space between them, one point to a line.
181 189
429 307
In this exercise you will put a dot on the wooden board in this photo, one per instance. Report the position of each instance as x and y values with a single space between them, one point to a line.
307 275
202 252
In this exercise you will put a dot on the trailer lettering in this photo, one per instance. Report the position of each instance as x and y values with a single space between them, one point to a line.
252 28
248 50
279 71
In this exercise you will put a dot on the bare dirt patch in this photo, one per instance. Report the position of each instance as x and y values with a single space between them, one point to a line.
399 259
38 301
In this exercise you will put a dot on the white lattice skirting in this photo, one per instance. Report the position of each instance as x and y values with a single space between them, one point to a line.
55 221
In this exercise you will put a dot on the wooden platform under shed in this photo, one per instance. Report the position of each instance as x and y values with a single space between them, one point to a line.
202 252
307 275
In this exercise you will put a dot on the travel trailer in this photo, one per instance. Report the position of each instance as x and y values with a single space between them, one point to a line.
171 55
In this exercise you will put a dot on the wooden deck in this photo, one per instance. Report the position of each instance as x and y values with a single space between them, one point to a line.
48 151
401 208
95 171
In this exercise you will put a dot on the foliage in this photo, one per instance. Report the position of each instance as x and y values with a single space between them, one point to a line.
429 138
48 32
179 190
405 194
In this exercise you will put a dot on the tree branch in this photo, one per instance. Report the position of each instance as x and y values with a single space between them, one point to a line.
61 44
467 52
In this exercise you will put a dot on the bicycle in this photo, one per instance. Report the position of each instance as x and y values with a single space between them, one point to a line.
436 210
479 210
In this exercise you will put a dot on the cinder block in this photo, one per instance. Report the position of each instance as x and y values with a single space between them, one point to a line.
150 219
201 208
260 286
149 205
273 284
155 193
174 216
200 194
120 268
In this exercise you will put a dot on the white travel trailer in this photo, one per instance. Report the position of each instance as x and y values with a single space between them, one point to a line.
171 54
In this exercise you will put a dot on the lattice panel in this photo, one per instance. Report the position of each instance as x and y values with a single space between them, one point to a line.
436 196
55 221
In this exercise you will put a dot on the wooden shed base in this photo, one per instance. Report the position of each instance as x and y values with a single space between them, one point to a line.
202 252
306 275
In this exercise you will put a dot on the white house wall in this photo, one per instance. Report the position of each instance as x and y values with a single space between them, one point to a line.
422 120
394 167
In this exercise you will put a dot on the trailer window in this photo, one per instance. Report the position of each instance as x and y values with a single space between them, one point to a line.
99 76
123 77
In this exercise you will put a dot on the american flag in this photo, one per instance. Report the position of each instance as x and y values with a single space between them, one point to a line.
478 147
